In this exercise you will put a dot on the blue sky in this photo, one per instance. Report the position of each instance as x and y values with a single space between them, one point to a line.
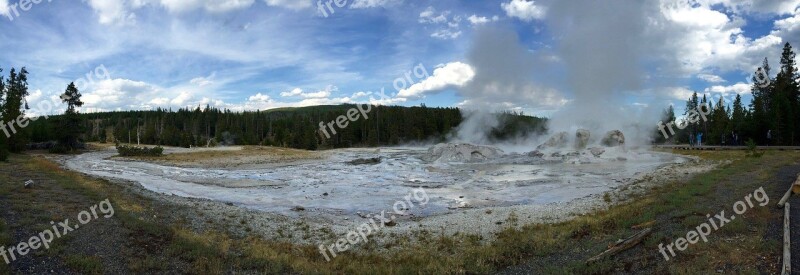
535 56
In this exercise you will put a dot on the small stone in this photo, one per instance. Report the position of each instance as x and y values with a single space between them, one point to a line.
298 208
391 223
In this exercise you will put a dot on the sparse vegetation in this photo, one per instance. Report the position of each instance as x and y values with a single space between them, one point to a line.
134 151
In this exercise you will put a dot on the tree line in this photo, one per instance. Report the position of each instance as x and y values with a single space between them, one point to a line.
13 91
285 127
771 118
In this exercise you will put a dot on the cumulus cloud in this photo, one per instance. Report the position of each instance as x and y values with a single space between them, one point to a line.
732 90
455 74
479 20
525 10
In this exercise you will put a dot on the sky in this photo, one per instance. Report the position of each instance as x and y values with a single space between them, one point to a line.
541 57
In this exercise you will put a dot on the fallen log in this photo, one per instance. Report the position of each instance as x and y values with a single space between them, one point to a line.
643 225
787 254
788 194
622 245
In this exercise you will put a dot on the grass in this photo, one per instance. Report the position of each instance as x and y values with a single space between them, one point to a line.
557 248
247 155
85 264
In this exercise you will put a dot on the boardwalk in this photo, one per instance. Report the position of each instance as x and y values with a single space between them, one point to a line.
687 147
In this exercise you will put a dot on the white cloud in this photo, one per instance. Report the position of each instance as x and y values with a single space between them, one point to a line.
259 98
449 25
114 11
319 94
121 11
524 10
738 88
4 7
700 37
203 81
360 95
711 78
446 34
289 4
480 20
294 92
364 4
679 93
429 16
207 5
455 74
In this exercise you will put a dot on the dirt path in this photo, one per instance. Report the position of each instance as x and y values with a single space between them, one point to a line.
98 246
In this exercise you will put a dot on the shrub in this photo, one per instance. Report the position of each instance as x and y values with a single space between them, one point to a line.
59 149
133 151
752 149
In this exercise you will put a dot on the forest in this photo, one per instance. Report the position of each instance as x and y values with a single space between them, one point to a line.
285 127
771 118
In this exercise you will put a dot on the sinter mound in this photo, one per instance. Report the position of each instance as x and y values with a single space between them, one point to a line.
462 152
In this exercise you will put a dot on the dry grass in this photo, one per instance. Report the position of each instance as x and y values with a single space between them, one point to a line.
247 156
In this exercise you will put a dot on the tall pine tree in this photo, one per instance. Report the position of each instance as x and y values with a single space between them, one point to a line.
70 125
3 138
15 106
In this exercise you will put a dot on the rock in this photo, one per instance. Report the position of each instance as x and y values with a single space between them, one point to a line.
29 184
556 155
597 151
391 223
325 194
582 138
535 154
614 138
298 208
558 140
368 161
462 152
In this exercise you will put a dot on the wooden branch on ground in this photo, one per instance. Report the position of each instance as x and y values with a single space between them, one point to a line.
787 254
622 245
785 197
643 225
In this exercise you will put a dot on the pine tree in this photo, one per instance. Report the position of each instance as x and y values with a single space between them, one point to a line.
784 100
3 137
70 126
14 108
